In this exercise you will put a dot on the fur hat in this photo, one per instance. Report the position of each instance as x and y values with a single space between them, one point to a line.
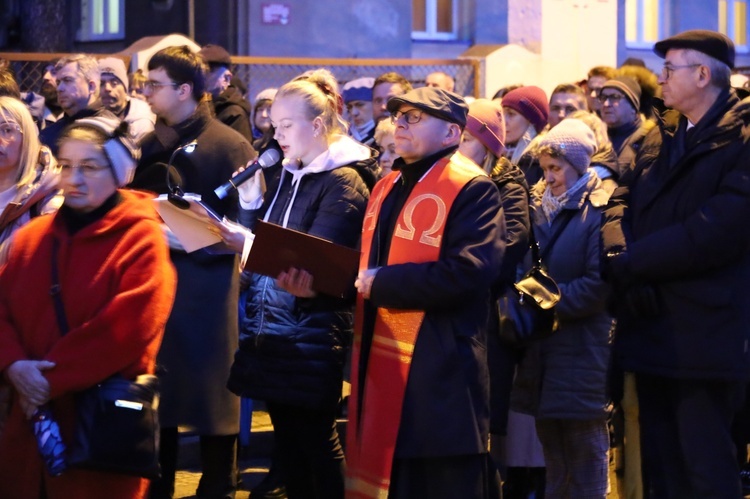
359 89
121 150
115 67
627 86
573 140
530 102
485 122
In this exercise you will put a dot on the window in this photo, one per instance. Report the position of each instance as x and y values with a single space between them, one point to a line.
102 20
434 19
642 23
733 21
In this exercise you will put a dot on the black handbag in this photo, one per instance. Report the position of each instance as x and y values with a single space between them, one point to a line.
527 310
117 420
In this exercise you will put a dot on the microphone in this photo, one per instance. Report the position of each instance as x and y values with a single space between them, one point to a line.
268 158
175 192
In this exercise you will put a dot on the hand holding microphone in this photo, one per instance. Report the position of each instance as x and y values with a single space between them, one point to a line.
249 195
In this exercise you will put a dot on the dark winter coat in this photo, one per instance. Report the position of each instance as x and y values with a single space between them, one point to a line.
502 358
292 350
234 111
679 247
202 331
51 133
565 376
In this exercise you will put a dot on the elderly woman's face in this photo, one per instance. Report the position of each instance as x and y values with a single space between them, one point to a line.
558 174
87 178
11 141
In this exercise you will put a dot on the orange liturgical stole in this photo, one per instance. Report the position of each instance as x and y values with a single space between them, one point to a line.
417 238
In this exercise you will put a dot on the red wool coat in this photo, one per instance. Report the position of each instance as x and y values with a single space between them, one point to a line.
117 286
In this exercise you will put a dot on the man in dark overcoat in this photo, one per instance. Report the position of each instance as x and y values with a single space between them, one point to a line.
677 249
202 332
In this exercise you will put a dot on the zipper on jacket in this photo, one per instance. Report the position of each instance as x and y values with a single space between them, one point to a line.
262 311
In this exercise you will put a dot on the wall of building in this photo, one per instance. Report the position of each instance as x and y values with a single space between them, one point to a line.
331 28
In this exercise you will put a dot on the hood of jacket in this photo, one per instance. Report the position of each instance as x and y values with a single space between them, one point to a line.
231 97
342 151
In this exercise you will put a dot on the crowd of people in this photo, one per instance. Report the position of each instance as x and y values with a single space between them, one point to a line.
635 187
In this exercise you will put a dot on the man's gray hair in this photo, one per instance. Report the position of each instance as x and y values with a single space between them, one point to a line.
720 72
88 67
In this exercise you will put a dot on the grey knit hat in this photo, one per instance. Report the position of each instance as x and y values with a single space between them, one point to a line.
573 140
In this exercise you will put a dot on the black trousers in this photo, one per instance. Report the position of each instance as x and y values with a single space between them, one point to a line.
310 451
686 440
218 466
451 477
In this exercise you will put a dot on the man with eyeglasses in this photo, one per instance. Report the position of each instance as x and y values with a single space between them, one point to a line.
201 335
432 244
596 78
676 248
78 81
620 100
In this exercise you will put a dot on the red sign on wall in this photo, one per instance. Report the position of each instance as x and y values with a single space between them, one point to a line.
275 13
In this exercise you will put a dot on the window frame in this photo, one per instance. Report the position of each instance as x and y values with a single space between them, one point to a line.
640 20
87 29
431 21
729 28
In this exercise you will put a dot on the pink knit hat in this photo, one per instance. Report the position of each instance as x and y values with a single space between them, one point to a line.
531 103
485 122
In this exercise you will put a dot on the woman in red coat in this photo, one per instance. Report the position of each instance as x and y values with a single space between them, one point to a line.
117 287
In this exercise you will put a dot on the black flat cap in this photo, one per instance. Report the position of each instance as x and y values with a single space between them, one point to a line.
434 101
216 55
708 42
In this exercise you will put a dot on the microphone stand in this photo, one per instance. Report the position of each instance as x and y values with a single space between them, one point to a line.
175 193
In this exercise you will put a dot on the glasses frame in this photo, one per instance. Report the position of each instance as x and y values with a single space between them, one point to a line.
15 126
152 85
87 170
614 99
666 70
408 116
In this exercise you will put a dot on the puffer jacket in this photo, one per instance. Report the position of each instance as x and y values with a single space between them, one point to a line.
565 376
292 350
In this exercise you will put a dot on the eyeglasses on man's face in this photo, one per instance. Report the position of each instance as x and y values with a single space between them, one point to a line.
88 170
668 69
412 116
151 85
614 99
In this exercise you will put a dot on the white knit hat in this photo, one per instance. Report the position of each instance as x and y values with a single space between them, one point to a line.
573 140
120 149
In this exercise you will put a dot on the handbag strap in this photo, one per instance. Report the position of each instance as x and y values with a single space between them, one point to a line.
54 291
535 253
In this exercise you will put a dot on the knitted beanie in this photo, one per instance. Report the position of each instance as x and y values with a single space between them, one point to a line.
485 122
573 140
359 89
265 94
627 86
116 67
120 149
530 102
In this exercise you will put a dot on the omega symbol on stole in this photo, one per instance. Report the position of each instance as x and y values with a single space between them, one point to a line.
434 208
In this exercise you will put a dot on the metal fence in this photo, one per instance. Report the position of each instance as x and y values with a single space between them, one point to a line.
259 73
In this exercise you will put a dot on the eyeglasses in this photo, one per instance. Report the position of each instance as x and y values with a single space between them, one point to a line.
412 116
613 98
666 70
9 130
150 85
88 170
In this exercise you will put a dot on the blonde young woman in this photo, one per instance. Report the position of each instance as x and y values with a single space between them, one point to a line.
293 340
28 179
